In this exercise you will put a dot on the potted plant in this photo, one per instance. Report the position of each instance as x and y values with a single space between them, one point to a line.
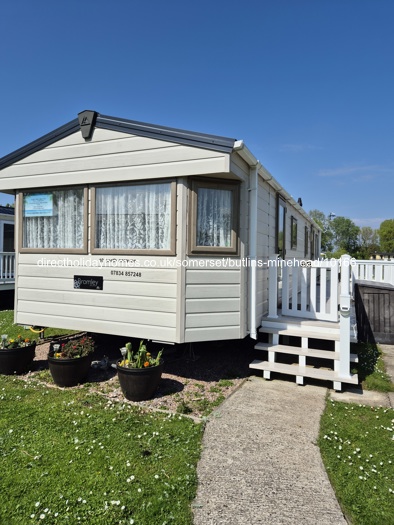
16 355
69 362
139 373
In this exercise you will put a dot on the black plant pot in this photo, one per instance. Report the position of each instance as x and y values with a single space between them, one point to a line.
139 384
17 360
69 372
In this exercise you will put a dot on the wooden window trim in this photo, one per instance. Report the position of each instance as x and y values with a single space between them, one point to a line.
221 184
71 251
133 251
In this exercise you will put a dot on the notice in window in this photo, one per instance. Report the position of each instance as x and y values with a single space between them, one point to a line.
38 205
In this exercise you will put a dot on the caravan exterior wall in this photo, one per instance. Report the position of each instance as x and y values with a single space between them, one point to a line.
177 287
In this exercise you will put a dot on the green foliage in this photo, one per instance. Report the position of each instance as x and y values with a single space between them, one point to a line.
141 359
357 450
371 369
345 234
70 457
78 347
386 234
327 234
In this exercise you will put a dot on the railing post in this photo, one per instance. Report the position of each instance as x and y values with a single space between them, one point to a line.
344 318
273 287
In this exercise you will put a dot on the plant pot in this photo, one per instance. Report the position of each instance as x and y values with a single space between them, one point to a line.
16 360
69 372
139 384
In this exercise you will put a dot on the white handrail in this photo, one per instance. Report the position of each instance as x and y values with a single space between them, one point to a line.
371 270
7 267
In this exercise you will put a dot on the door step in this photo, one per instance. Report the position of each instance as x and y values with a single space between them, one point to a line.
307 352
302 332
302 371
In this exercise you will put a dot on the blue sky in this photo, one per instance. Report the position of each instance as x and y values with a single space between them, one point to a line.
307 84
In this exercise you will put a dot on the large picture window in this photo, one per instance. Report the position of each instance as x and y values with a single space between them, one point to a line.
214 218
54 220
135 217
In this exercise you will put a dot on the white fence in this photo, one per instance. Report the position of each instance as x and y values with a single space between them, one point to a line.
377 271
7 267
310 289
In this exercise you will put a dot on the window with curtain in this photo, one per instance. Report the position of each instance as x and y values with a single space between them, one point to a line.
54 219
134 217
214 217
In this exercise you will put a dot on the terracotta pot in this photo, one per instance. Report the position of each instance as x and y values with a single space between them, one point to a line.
17 360
139 384
69 372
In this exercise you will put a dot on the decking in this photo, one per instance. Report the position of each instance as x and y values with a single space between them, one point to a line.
307 332
7 271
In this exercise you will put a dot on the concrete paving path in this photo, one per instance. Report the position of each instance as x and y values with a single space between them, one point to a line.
260 462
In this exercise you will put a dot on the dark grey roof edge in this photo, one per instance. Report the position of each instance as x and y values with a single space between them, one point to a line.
41 143
180 136
5 210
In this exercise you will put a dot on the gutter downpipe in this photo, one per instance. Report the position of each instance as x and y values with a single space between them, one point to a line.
254 166
253 249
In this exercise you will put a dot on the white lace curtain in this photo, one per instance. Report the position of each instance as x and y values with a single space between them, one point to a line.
63 229
214 217
134 217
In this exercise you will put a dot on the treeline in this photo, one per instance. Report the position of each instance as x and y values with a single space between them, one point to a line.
341 235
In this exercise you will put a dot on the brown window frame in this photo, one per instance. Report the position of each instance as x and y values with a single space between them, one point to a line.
233 186
19 202
280 202
134 251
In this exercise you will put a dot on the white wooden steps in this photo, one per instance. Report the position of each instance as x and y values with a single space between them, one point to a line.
317 350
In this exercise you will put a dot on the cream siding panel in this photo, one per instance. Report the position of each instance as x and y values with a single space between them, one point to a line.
110 156
143 306
213 303
86 298
117 288
211 291
130 329
212 334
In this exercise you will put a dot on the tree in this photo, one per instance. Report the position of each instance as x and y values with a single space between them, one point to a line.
326 235
386 234
369 242
346 235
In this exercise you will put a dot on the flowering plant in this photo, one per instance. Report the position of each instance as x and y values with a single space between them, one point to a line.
74 348
17 342
140 359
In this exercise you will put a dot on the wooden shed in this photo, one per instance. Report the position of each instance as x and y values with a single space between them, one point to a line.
146 231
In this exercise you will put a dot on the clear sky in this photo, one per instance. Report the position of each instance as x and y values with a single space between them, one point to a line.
307 84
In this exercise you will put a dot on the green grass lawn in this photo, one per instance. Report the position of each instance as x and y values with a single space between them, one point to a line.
371 369
357 447
71 457
8 327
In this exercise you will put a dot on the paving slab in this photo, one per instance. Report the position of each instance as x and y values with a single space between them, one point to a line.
362 397
260 462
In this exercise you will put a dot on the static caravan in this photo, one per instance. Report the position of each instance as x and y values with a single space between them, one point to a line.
146 231
7 254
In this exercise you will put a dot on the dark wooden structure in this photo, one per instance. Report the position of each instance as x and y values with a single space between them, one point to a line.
375 312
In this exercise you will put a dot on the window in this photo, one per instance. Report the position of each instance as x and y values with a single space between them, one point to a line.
54 220
281 226
135 217
293 233
306 241
312 242
8 237
214 217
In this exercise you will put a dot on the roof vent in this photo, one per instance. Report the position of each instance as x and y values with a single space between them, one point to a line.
87 120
